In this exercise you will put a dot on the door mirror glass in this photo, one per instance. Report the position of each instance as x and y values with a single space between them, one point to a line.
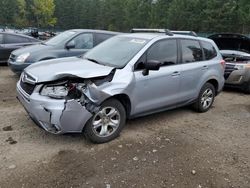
70 45
151 65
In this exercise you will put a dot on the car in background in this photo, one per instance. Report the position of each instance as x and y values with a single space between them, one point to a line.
235 49
67 44
124 77
13 41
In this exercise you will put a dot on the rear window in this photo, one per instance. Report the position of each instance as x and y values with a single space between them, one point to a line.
191 51
100 37
11 39
209 50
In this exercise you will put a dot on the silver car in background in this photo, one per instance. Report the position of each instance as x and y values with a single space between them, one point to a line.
125 77
235 50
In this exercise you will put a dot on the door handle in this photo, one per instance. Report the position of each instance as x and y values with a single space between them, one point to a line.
176 73
205 67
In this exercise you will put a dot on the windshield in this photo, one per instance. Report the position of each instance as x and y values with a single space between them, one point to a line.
60 38
117 51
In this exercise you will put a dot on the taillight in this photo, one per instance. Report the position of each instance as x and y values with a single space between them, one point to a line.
223 64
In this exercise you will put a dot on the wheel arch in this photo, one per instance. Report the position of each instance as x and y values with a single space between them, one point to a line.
215 83
125 101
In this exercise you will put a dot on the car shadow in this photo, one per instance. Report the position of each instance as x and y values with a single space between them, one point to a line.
234 90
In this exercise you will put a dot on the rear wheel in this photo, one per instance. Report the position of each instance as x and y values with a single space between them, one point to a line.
205 99
107 123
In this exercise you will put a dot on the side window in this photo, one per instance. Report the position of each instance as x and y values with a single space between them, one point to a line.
11 39
209 50
100 37
191 51
84 41
1 38
164 51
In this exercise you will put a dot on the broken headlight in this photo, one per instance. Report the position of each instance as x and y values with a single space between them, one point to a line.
63 90
57 92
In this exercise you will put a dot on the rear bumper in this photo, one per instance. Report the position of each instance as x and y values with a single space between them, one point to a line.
53 115
238 77
242 86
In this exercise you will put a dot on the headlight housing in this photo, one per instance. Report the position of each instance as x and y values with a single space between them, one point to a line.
58 92
63 90
22 58
242 66
239 67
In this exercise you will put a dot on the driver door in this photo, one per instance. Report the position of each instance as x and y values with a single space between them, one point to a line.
160 88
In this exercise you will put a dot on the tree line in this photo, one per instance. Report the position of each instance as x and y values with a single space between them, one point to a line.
122 15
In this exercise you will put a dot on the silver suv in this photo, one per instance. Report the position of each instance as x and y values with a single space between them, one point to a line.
125 77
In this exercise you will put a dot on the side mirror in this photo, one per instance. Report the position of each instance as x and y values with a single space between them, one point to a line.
151 65
70 45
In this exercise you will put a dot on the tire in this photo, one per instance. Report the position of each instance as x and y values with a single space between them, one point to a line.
108 122
205 99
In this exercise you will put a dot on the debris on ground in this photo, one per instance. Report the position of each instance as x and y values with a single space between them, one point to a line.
12 166
8 128
193 172
11 141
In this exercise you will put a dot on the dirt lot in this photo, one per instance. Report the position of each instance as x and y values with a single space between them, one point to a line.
178 148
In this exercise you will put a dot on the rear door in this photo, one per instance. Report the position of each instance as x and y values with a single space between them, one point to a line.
193 67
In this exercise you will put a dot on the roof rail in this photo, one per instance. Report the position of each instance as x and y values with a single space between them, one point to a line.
191 33
138 30
166 31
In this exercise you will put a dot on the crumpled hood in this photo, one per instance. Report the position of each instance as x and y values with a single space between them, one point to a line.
37 48
55 69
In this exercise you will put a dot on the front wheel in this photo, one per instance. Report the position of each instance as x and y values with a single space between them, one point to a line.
205 99
107 123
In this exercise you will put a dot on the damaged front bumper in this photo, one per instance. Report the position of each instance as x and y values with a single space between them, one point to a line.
56 116
238 77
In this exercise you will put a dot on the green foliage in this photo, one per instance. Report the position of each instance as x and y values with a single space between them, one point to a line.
43 11
20 16
7 10
122 15
23 13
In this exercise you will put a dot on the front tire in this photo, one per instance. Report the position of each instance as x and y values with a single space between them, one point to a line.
107 123
205 99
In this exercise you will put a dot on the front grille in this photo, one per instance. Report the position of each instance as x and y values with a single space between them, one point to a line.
228 70
12 57
28 88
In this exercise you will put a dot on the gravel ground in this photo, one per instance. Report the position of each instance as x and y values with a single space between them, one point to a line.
178 148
